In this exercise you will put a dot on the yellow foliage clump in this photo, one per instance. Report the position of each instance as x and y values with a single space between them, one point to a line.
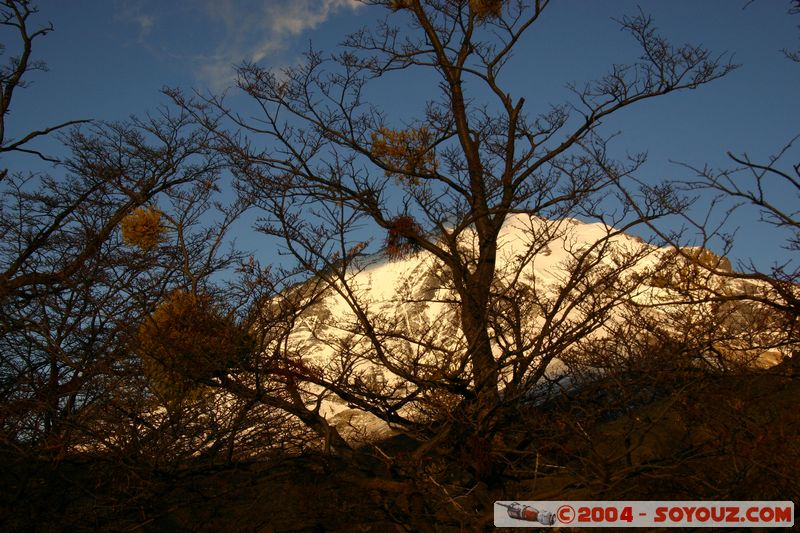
184 341
143 228
487 8
407 150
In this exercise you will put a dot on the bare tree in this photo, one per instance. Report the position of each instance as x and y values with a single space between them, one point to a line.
15 14
319 160
71 291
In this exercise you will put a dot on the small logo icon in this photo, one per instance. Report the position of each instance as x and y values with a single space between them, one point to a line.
529 514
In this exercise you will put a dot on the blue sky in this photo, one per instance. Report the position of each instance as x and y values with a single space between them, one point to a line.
109 59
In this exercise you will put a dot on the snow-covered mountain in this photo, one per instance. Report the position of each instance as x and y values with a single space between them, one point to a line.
566 281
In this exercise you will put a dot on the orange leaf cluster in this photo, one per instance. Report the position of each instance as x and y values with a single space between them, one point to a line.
185 341
487 8
143 228
407 150
403 237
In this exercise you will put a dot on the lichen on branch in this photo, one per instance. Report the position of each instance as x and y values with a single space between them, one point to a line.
402 238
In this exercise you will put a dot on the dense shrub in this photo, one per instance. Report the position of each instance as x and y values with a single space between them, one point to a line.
186 341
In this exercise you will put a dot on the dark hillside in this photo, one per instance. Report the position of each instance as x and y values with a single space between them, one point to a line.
731 437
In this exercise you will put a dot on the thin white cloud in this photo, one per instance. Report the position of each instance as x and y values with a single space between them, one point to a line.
255 30
225 33
133 13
